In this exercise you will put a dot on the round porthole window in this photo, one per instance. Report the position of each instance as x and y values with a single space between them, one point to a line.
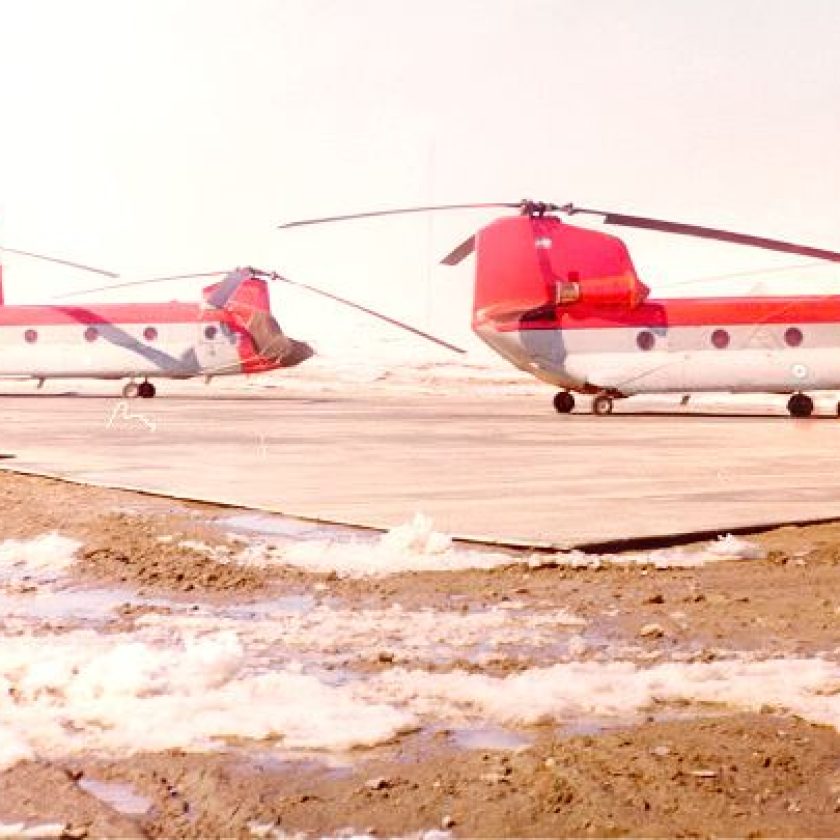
793 336
646 340
150 333
91 334
210 332
720 339
30 336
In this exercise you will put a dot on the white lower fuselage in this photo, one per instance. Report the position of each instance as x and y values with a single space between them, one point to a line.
110 342
781 345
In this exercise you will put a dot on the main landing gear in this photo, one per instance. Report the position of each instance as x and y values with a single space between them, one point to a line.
602 404
145 390
564 402
801 405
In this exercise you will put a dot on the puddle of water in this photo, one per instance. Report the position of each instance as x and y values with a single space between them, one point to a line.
582 727
667 714
332 765
490 738
94 605
294 604
269 525
118 795
50 604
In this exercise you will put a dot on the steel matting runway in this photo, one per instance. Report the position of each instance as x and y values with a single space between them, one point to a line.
495 468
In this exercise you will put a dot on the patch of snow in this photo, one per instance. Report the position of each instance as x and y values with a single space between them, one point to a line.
79 692
734 548
13 746
325 635
41 559
809 688
35 830
416 546
410 547
723 548
183 681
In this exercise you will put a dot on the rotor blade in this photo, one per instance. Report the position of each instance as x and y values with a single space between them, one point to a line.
227 288
461 252
60 262
367 311
401 211
707 233
140 283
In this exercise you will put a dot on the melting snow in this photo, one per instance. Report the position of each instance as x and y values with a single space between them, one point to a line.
411 547
723 548
81 692
809 688
342 636
730 547
174 683
38 830
182 679
416 547
42 559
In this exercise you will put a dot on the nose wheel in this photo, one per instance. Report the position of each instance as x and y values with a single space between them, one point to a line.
800 405
564 402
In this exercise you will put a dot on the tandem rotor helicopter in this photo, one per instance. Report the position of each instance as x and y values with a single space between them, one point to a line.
560 302
230 331
564 303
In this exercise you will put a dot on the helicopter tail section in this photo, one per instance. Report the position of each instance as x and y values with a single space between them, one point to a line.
535 275
262 344
530 269
240 291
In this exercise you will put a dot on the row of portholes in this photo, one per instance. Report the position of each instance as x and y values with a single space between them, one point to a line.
92 333
719 339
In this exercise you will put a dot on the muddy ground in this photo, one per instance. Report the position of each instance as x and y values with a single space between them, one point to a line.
694 772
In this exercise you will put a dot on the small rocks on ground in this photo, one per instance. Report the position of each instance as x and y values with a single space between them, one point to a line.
652 631
379 783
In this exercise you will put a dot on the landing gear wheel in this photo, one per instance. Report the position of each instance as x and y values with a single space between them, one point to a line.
130 390
564 402
146 390
800 405
602 404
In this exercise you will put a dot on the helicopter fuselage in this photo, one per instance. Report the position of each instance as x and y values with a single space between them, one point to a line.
172 340
565 304
772 344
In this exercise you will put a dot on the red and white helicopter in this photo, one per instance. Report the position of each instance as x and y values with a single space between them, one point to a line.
231 330
565 304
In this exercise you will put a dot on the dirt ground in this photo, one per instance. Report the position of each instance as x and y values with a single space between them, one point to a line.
694 773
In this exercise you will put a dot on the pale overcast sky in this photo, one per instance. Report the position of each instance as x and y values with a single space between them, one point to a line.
155 136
